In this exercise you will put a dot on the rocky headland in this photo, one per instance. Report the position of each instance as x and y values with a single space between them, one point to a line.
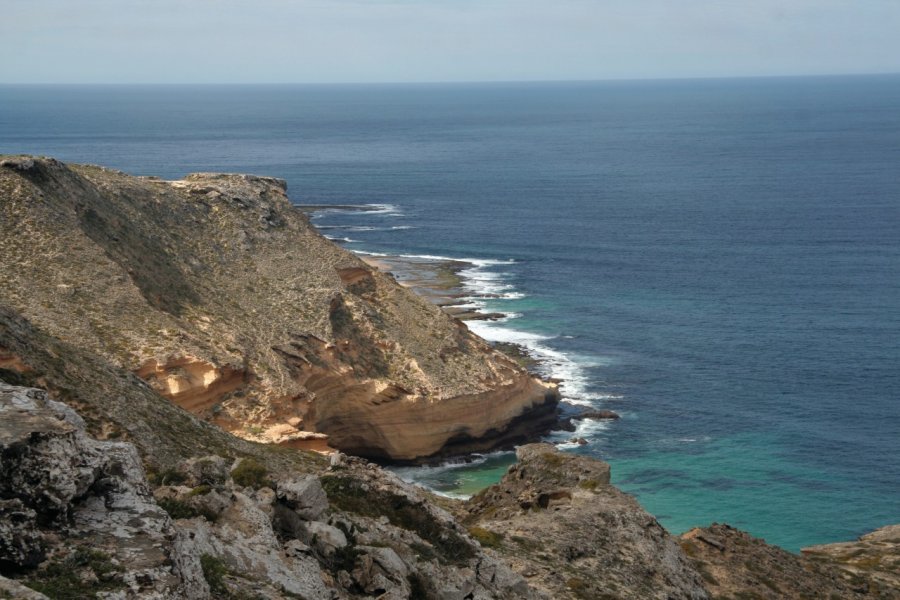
168 351
219 294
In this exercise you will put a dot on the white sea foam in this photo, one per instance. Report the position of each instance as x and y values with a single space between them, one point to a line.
552 363
486 288
419 472
346 240
390 210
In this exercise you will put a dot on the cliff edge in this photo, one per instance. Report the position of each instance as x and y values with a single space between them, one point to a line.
219 293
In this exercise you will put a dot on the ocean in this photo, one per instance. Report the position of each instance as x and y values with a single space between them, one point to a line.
716 260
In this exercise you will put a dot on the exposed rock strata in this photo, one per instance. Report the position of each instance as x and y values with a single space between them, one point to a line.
223 297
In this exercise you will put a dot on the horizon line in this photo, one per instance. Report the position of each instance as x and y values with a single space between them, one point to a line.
451 82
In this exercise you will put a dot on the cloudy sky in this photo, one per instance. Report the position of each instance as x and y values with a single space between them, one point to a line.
208 41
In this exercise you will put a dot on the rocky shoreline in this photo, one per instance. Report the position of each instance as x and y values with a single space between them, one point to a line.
152 332
84 518
438 280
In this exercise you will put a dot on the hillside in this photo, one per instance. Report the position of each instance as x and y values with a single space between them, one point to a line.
220 294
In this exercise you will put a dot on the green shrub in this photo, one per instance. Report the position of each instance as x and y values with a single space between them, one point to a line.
62 580
589 484
214 571
486 537
183 510
250 473
347 494
200 490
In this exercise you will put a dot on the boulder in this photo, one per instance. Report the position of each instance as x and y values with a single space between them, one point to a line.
381 570
60 486
325 538
304 495
208 470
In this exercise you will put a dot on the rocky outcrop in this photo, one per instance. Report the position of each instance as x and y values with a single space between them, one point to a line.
82 508
220 294
872 562
734 564
193 384
441 558
558 522
79 519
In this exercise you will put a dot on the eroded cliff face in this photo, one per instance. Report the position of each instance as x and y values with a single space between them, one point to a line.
220 294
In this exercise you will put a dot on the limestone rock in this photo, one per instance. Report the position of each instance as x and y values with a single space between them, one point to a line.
244 541
396 531
23 163
597 415
21 544
304 495
325 538
9 588
206 470
557 521
59 484
735 564
872 561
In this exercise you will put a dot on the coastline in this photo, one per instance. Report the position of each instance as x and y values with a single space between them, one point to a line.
452 284
439 280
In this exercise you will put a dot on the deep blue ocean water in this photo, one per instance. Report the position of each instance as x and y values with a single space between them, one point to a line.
716 260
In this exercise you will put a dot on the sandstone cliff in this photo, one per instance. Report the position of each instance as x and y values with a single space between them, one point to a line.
218 292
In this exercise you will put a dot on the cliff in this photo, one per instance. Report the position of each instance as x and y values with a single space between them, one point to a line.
218 293
142 320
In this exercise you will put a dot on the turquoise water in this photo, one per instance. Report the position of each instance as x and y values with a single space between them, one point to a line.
718 260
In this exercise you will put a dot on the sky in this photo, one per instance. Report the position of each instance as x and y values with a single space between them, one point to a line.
335 41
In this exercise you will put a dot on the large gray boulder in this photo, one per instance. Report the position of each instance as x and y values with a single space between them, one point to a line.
60 487
304 495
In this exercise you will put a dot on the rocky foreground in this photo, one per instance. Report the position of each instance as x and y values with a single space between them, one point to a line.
83 518
141 321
